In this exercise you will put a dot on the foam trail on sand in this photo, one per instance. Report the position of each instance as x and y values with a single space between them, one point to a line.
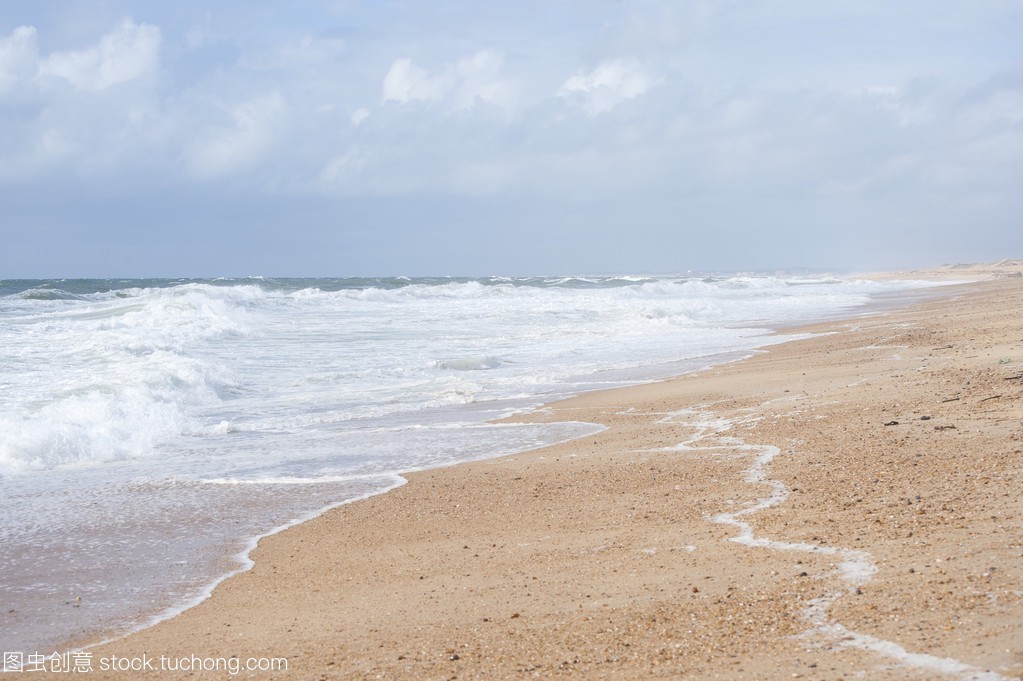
855 568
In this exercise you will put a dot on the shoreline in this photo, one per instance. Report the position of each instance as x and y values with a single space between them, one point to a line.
556 411
236 560
243 562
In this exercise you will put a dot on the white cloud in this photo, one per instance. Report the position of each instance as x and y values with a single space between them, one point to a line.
606 86
82 127
359 115
343 169
19 57
224 150
653 103
895 101
406 82
459 120
463 84
478 78
49 149
129 51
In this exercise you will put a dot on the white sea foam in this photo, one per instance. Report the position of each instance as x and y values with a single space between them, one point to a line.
127 372
471 363
854 569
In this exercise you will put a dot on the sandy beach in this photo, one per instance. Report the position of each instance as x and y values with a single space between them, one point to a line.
842 506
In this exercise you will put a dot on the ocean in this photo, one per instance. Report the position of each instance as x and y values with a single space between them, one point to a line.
152 430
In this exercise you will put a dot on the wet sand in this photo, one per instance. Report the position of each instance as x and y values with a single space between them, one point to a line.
871 474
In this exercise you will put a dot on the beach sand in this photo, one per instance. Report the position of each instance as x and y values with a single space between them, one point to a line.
873 476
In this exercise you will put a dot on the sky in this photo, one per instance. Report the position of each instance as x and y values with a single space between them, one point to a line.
457 137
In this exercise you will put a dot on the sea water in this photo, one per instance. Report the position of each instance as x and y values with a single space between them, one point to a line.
151 429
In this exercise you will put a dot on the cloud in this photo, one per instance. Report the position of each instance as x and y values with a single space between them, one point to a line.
128 52
406 82
359 115
479 79
462 84
66 118
343 168
606 86
19 57
656 105
223 150
48 149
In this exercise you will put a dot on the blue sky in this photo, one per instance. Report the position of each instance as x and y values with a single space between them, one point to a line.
374 138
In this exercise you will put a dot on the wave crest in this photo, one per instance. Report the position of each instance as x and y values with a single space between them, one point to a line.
470 363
